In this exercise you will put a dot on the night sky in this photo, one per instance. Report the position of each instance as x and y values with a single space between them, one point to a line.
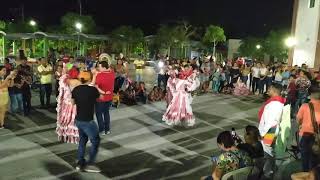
239 18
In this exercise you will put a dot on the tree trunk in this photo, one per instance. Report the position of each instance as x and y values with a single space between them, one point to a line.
214 49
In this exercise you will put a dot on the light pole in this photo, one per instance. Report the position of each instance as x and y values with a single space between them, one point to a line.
78 26
33 24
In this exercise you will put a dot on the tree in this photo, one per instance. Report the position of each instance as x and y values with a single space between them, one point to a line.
166 37
214 35
2 25
20 27
274 44
127 39
249 48
69 20
182 35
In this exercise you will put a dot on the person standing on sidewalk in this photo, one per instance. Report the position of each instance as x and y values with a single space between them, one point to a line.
84 97
307 129
269 120
104 81
5 81
45 72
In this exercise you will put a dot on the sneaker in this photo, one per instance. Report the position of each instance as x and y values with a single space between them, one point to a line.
79 167
92 169
108 132
102 133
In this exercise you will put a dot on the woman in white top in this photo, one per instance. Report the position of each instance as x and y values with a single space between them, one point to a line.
278 76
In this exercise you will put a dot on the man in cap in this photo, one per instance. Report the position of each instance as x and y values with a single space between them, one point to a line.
84 96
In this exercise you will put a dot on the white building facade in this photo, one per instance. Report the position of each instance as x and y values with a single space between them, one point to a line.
306 30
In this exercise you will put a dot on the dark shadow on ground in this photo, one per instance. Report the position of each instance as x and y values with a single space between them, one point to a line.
56 169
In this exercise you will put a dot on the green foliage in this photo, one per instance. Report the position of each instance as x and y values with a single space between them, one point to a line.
214 34
165 36
126 38
248 47
274 44
69 20
20 27
2 25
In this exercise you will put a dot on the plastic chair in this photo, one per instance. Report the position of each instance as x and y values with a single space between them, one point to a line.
250 172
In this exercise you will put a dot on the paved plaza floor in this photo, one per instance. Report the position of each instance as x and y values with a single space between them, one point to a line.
140 147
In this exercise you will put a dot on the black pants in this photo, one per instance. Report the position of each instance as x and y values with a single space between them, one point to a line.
309 160
26 98
255 84
45 89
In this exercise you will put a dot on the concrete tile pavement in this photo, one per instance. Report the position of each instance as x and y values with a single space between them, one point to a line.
140 146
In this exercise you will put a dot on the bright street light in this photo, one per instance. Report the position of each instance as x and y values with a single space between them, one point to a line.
32 23
258 46
79 26
290 42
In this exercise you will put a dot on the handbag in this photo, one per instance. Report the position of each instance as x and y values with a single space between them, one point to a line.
316 145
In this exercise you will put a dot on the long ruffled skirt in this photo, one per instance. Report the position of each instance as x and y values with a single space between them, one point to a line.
179 111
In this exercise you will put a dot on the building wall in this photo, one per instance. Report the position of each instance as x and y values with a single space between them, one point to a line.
306 33
233 46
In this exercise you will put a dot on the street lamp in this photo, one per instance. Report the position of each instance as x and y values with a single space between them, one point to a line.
258 46
78 26
290 42
32 23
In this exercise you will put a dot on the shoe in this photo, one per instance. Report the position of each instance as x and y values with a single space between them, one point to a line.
1 127
79 167
102 133
108 132
92 169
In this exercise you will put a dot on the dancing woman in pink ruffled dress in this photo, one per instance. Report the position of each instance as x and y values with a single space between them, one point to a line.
170 85
179 111
66 111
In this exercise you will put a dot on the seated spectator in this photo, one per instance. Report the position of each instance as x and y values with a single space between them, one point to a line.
227 89
141 94
152 95
129 96
158 94
252 143
314 174
231 159
240 89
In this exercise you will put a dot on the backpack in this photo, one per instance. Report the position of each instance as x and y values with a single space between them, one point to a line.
316 145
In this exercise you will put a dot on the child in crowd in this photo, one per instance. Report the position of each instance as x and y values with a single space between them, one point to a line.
240 89
141 94
152 95
129 95
159 94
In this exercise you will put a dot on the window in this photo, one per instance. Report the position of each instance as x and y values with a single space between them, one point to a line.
312 3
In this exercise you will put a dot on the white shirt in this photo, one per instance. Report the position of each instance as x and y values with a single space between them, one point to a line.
278 77
271 117
255 72
263 71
